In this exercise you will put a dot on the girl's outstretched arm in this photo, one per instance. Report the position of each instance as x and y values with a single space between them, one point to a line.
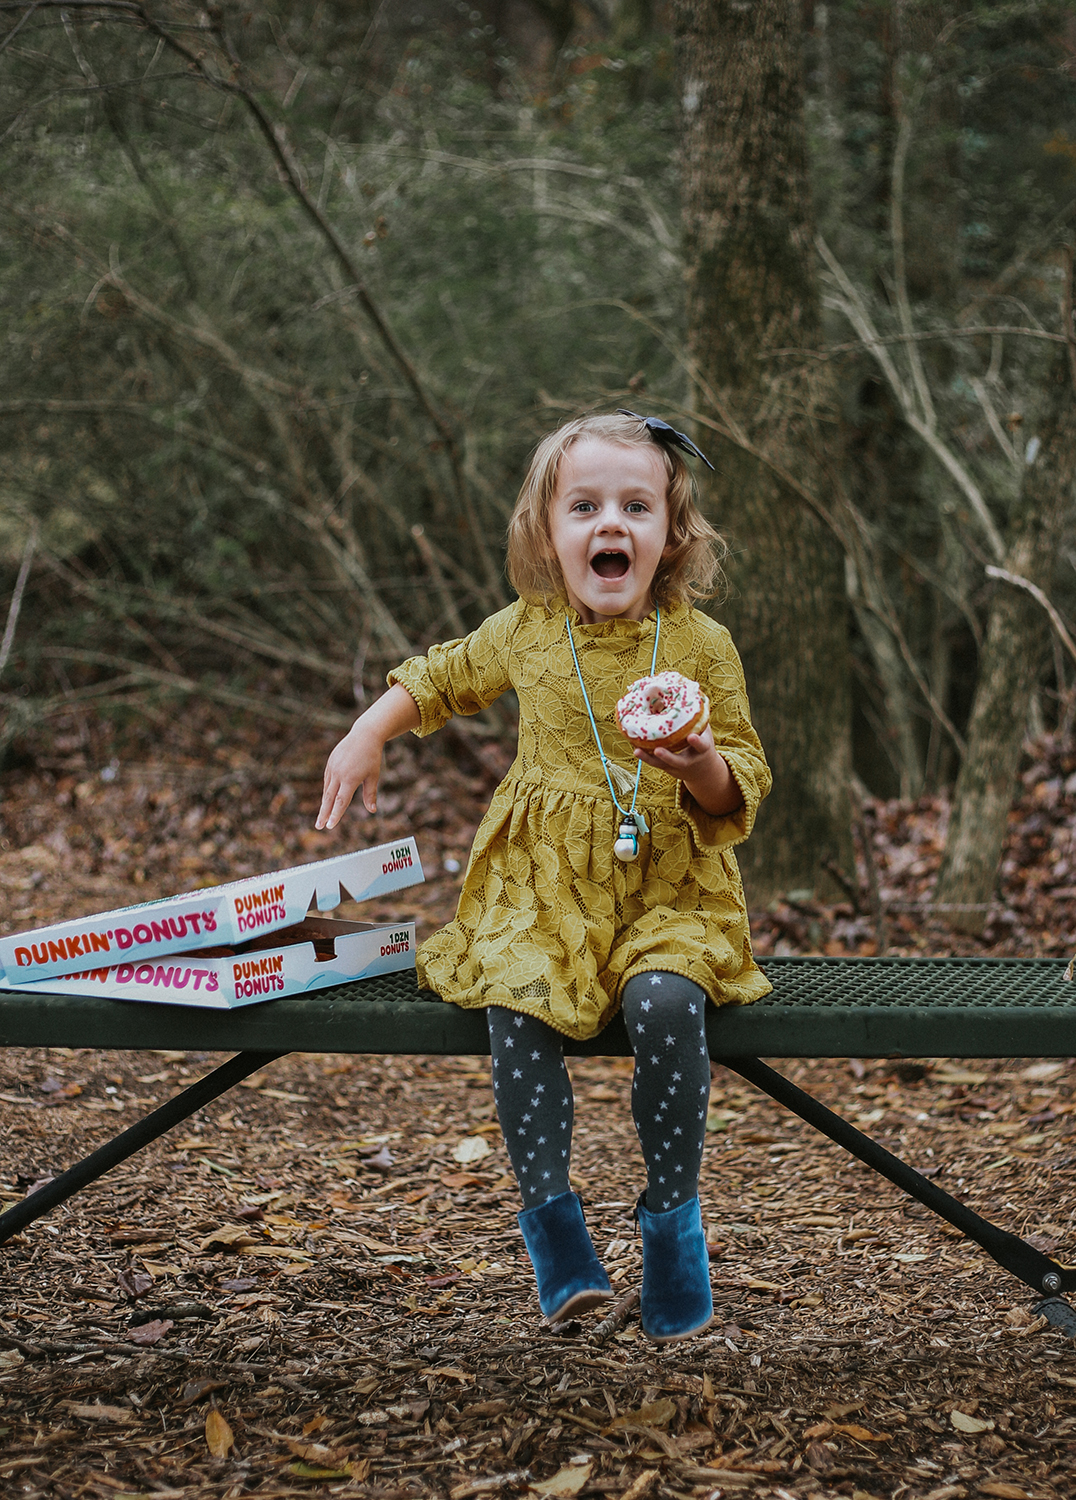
356 760
703 770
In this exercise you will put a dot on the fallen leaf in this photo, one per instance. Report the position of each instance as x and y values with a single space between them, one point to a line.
380 1161
1003 1491
150 1333
134 1283
228 1237
863 1434
963 1423
218 1435
652 1414
10 1358
471 1148
239 1284
567 1481
462 1180
317 1453
194 1390
450 1373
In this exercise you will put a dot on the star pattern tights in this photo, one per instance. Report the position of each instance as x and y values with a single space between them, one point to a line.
665 1016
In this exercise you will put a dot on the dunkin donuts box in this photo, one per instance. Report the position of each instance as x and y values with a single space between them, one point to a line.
222 914
311 955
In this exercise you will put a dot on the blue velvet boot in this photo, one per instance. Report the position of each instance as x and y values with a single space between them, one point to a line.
571 1279
676 1301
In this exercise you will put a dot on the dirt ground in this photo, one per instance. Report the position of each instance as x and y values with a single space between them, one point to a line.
316 1286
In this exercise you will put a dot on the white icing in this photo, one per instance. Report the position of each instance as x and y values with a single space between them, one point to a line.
657 708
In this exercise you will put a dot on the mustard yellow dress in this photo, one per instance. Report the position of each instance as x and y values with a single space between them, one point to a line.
550 922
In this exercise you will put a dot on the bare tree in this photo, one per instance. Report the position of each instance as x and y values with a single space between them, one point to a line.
1015 644
753 305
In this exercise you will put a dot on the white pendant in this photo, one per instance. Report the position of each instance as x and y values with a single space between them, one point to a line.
627 843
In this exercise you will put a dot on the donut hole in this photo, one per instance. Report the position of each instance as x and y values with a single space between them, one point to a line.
656 701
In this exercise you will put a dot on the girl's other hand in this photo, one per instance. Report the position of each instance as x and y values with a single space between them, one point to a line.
704 772
355 762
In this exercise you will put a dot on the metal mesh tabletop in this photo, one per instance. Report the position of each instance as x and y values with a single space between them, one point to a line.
820 1007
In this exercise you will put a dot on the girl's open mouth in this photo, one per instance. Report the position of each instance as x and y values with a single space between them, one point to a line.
610 564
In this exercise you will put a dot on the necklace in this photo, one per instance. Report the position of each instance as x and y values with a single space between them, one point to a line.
632 824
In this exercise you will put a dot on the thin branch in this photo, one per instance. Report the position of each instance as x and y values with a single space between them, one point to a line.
924 336
1004 442
900 279
1037 594
854 308
16 598
272 708
19 24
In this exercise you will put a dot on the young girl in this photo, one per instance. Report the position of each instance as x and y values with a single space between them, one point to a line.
556 929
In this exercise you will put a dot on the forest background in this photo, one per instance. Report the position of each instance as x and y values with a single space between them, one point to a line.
290 292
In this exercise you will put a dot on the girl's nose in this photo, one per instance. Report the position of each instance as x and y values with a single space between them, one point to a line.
610 519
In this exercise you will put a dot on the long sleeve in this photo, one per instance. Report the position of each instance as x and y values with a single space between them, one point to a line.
735 738
461 676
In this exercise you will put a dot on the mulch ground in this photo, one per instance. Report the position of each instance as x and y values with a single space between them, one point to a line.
316 1286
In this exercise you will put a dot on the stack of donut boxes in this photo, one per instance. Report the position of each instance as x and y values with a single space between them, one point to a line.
209 948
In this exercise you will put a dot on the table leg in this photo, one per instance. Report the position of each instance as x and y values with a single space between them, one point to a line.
131 1140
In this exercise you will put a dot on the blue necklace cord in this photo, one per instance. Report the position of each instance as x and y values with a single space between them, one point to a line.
625 812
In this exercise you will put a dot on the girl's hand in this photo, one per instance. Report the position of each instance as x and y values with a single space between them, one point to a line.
356 760
704 772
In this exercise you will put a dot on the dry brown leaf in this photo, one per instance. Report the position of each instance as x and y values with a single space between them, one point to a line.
150 1333
1003 1491
317 1453
566 1481
195 1390
963 1423
228 1237
863 1434
471 1148
219 1437
653 1414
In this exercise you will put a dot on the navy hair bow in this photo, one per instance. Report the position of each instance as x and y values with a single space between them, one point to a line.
661 432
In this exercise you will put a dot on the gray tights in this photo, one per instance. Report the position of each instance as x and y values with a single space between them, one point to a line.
665 1017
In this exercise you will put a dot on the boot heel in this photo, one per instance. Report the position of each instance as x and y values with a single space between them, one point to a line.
571 1279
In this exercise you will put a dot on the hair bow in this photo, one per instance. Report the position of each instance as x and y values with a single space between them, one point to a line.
661 432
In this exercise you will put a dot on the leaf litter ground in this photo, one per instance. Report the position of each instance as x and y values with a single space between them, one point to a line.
316 1286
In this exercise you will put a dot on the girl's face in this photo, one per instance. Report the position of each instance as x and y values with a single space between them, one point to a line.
609 527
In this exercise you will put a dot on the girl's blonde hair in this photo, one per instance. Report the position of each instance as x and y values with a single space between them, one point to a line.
691 570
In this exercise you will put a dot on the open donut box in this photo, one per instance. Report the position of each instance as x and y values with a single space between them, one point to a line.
295 950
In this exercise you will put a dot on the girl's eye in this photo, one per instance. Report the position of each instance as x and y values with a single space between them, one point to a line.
583 506
637 507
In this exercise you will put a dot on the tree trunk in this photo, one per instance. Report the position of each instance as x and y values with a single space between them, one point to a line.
1013 653
752 291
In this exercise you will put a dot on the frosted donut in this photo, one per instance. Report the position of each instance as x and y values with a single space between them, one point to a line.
662 710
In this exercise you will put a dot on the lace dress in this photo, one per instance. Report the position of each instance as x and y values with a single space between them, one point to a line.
550 922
